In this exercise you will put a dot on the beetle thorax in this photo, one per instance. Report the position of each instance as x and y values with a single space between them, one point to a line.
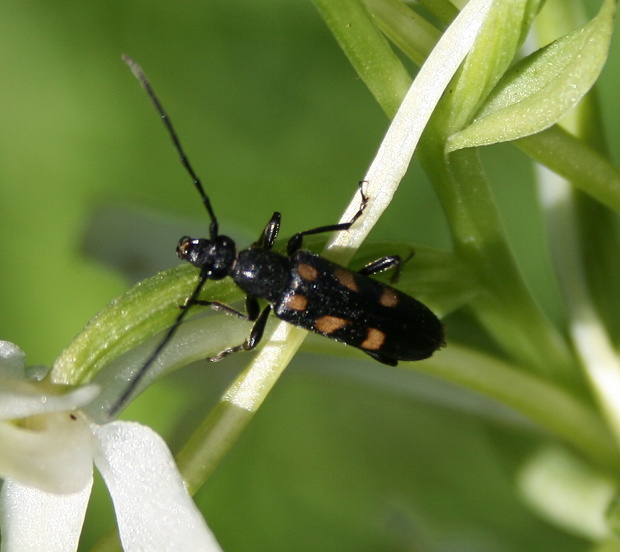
262 273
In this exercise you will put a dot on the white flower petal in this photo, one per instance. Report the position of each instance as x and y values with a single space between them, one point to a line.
153 510
12 361
33 520
51 452
20 399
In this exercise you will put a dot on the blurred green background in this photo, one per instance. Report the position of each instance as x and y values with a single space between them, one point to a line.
273 118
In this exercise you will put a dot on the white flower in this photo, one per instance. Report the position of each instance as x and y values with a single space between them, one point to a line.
46 461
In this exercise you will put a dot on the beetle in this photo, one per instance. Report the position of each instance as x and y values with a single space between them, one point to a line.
301 287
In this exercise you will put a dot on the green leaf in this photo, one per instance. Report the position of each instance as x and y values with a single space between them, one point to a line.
498 41
368 51
538 91
413 34
149 307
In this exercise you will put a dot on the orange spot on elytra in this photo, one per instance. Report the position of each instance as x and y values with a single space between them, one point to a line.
388 298
346 278
296 302
329 324
307 272
374 340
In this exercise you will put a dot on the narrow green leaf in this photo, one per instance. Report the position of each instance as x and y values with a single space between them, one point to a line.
368 51
538 91
444 10
415 36
147 308
495 48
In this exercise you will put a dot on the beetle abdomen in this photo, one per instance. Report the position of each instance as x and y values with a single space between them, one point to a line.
343 305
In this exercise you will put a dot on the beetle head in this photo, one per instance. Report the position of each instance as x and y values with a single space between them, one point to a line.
215 257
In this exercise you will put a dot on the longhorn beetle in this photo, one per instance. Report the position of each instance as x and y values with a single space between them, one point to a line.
301 287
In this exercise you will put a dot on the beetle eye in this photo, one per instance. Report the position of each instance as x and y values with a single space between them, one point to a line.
183 247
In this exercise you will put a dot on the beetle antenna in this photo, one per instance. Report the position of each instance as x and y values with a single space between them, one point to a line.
144 81
142 371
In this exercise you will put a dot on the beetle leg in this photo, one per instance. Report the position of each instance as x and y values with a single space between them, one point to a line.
295 242
252 307
386 263
256 334
270 233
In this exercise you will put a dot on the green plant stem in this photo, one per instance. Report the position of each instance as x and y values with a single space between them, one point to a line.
598 225
552 408
507 309
571 158
210 443
220 430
